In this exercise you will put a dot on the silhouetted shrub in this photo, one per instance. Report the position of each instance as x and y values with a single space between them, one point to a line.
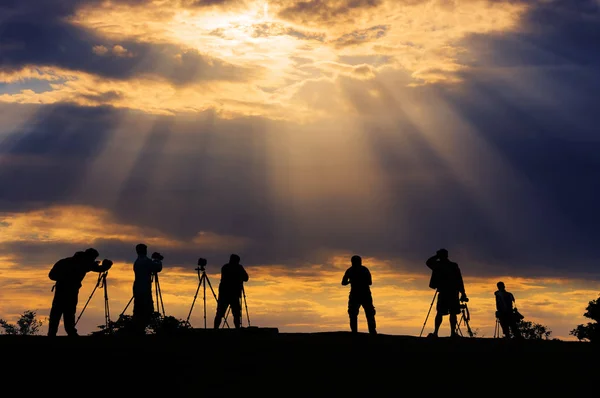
159 325
533 331
27 325
591 331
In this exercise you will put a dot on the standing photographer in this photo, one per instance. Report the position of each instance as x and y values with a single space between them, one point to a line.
446 278
144 268
233 276
359 278
68 273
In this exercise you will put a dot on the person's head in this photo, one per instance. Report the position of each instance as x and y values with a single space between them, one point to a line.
356 260
91 253
500 285
141 249
234 259
442 253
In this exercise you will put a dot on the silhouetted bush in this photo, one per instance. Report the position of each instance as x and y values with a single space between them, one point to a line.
533 331
27 325
591 331
159 325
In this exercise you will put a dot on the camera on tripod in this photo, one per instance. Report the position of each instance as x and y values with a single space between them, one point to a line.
157 256
202 264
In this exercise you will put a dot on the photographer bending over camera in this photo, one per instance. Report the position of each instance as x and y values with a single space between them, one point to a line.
446 278
68 274
144 268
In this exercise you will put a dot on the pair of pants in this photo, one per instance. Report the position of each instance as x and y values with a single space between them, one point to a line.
229 301
365 300
508 325
143 308
64 305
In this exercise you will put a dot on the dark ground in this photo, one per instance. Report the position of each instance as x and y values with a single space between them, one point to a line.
266 363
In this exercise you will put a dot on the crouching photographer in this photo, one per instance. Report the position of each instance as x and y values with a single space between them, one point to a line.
446 278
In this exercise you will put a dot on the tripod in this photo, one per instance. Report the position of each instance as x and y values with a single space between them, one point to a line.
202 280
159 300
497 329
245 304
428 312
100 283
465 318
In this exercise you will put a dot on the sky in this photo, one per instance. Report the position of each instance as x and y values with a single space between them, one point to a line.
297 133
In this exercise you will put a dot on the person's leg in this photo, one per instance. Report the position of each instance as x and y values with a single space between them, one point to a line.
504 324
453 306
439 317
453 322
440 312
220 313
55 313
143 306
369 309
70 308
236 312
353 308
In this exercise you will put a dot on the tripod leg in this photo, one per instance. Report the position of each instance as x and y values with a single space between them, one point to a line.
127 306
106 307
215 296
204 277
225 317
89 298
195 296
159 299
428 312
246 304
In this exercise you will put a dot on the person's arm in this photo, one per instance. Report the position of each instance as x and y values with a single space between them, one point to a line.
155 265
369 278
498 304
105 266
461 285
346 278
432 262
244 274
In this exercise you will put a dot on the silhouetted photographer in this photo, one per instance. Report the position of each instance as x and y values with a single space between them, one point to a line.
359 278
506 313
446 278
68 273
144 268
233 276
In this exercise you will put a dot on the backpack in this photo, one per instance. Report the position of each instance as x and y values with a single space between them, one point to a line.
59 270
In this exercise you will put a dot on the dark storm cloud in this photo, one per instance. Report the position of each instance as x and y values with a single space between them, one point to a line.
30 37
206 174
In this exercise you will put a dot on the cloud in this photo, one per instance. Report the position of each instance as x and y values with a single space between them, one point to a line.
56 43
361 36
309 11
390 171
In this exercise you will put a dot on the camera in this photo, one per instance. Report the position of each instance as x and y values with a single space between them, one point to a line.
201 263
157 256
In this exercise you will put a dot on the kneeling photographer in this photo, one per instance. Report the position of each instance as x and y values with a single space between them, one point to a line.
144 268
446 278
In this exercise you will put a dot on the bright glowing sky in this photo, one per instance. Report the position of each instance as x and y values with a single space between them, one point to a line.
297 133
